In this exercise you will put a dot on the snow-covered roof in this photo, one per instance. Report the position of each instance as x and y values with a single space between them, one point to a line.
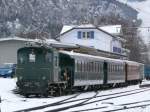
67 27
74 54
112 29
132 62
51 43
15 38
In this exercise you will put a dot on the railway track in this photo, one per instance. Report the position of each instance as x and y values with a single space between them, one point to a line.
48 105
103 99
132 105
121 106
127 106
72 106
61 105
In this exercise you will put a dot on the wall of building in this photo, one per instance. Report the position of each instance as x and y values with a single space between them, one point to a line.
8 50
101 41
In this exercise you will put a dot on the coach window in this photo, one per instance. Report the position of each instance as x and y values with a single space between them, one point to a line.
88 67
110 67
78 66
96 67
93 66
80 63
85 66
81 66
75 65
56 60
120 68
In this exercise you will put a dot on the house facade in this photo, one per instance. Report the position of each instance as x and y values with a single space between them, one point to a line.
9 47
92 36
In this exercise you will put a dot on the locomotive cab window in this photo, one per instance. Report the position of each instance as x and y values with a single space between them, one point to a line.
48 57
21 59
32 57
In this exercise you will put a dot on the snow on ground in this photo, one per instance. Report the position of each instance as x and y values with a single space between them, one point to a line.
143 7
13 102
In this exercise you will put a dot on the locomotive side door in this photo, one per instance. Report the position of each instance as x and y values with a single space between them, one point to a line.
55 66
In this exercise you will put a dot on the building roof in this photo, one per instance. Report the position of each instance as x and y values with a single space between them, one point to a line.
57 44
110 30
74 54
66 28
15 38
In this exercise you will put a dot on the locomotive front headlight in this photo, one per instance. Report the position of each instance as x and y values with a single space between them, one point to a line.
20 78
43 77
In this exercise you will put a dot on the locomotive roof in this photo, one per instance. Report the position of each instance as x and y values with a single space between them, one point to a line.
87 56
133 62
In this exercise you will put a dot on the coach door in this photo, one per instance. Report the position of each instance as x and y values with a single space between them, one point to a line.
105 72
56 66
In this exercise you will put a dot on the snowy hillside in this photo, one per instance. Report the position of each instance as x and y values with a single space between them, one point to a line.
143 7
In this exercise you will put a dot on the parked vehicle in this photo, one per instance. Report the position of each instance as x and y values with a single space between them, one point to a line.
48 71
7 70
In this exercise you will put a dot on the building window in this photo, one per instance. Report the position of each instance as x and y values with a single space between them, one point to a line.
116 50
86 35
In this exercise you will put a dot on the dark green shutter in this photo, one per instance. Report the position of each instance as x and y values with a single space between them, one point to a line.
92 34
79 34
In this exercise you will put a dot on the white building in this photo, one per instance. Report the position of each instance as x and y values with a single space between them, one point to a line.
9 47
102 38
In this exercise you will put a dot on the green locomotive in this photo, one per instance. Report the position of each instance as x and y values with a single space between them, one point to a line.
43 71
49 71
